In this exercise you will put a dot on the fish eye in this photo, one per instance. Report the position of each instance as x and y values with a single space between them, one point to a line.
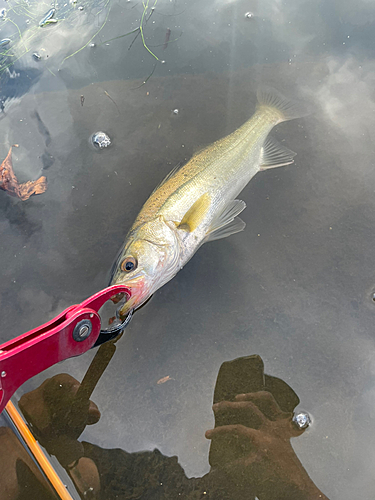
129 264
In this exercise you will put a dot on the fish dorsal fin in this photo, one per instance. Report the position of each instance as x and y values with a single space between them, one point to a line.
273 155
227 222
167 177
196 213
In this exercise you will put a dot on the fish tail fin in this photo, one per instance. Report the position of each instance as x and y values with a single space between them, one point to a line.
286 109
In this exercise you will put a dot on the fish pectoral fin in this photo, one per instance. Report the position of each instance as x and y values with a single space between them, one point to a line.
227 222
196 213
273 155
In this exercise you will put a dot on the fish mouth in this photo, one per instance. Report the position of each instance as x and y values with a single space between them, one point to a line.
126 304
124 309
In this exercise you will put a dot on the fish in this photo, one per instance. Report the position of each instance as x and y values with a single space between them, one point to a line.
197 203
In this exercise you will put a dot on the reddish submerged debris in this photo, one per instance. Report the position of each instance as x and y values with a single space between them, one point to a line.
164 380
9 181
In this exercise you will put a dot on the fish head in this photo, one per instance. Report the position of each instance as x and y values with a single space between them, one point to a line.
151 257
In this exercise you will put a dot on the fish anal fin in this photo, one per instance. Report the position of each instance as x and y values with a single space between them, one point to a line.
227 222
273 155
196 213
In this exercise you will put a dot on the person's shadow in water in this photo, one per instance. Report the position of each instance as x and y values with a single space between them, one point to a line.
250 454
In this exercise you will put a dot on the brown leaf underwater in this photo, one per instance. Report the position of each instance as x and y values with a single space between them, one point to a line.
10 184
164 380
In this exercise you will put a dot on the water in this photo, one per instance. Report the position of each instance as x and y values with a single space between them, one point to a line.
295 287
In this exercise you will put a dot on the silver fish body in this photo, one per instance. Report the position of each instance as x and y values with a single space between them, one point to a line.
197 203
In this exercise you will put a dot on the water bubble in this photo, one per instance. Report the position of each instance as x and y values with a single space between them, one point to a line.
80 7
302 419
4 42
101 140
249 15
37 56
163 62
92 44
175 111
3 373
3 13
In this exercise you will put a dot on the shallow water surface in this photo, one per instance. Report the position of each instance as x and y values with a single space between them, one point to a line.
295 287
